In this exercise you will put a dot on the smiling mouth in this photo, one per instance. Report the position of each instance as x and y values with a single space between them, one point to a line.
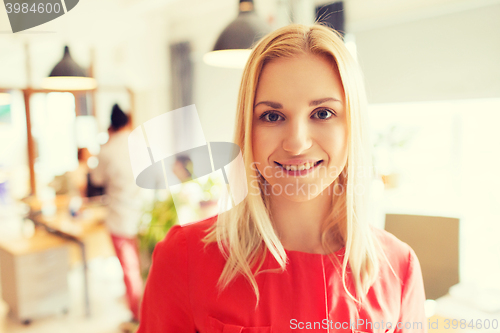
302 167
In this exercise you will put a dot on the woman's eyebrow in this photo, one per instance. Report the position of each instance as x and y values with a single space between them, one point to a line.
276 105
323 100
273 105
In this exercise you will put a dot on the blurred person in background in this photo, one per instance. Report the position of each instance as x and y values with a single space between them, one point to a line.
74 182
78 178
80 174
115 174
183 168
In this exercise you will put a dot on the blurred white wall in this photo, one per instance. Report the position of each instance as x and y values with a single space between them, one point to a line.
436 55
215 88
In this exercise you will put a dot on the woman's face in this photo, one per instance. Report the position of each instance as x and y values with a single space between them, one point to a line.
299 116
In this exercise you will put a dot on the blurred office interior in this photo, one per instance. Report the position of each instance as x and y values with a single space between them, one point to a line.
432 74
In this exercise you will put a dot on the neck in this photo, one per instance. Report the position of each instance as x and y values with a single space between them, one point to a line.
299 224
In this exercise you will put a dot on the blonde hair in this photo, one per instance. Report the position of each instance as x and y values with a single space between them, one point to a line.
244 232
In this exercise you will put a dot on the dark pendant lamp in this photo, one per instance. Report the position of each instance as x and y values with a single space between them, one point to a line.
233 47
68 75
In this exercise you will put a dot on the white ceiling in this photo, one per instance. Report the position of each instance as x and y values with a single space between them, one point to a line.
369 14
360 14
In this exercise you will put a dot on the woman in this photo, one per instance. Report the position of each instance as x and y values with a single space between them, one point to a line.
298 253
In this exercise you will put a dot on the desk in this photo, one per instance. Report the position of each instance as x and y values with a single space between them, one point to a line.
34 274
88 228
87 233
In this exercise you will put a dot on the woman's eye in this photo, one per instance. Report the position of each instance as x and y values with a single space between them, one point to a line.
270 117
324 114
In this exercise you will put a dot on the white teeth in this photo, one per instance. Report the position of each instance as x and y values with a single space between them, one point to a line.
306 166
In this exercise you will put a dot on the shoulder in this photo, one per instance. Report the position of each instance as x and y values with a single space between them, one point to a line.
181 239
399 254
184 259
389 241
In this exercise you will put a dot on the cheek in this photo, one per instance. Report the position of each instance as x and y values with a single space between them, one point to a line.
335 140
261 143
336 149
342 140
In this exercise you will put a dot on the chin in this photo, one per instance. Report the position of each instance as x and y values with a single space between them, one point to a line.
301 198
296 191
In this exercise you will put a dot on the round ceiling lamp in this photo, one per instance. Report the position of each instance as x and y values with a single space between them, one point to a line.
68 75
233 47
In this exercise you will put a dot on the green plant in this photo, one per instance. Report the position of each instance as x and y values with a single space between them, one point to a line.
211 188
156 223
161 215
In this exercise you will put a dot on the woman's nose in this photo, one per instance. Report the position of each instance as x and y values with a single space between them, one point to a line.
297 138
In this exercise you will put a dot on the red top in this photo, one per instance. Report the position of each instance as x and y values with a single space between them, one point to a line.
181 293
